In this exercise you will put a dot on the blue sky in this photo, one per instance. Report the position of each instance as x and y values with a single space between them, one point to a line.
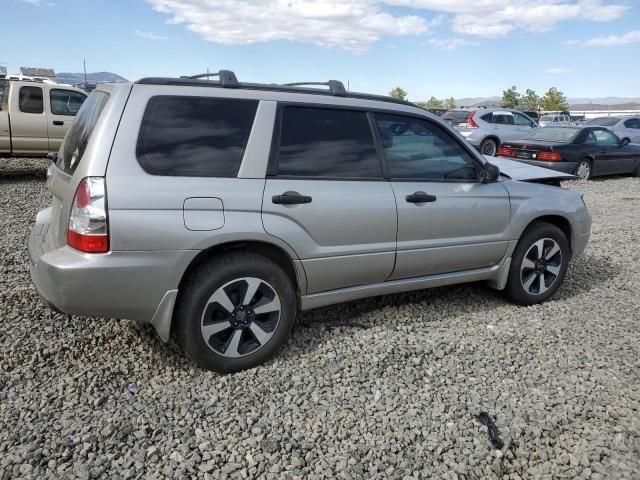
587 48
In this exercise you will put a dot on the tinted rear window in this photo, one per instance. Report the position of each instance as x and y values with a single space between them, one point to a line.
554 134
456 116
319 142
77 138
195 136
603 122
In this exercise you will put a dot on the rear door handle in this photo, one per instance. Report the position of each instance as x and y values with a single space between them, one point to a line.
58 122
420 197
290 198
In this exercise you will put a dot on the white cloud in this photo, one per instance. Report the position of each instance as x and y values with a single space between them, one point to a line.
614 40
450 43
150 35
356 24
39 3
557 71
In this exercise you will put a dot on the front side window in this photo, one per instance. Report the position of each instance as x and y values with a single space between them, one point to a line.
330 143
30 100
521 120
418 149
195 136
65 102
601 137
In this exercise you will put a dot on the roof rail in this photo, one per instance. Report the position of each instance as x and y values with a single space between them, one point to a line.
227 78
336 87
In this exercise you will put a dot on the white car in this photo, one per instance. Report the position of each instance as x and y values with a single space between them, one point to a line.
623 127
554 120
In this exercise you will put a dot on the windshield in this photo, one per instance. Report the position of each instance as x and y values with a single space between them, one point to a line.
77 138
554 134
603 121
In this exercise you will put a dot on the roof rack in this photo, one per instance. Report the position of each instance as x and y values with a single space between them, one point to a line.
228 79
336 87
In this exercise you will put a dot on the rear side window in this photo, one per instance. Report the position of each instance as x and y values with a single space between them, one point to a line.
195 136
502 118
320 142
77 138
30 100
633 123
65 102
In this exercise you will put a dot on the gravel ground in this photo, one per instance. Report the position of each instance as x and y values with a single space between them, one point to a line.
382 388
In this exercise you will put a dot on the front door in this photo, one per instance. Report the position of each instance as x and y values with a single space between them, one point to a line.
448 220
326 197
611 157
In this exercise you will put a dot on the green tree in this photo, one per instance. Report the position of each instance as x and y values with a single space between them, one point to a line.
433 102
510 97
422 104
398 93
450 103
553 100
530 100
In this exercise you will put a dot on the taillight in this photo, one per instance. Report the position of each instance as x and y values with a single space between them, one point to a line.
88 230
549 156
471 123
506 152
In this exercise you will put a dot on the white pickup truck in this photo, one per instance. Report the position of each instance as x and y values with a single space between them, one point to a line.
34 116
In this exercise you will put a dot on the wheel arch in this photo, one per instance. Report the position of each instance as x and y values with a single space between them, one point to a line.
559 221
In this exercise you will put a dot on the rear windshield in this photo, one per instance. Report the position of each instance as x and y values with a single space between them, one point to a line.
603 121
554 134
456 116
77 138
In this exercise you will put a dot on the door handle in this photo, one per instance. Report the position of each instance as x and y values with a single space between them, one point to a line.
58 122
420 197
290 198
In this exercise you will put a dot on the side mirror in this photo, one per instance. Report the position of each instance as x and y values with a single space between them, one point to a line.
52 157
624 142
490 173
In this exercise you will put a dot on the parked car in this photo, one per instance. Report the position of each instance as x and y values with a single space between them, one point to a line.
623 127
555 120
583 151
487 129
34 116
216 210
532 114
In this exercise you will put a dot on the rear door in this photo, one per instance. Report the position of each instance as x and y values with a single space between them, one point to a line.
503 126
448 220
29 120
611 157
326 197
62 105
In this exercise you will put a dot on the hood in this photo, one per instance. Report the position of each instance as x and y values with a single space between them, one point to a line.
527 173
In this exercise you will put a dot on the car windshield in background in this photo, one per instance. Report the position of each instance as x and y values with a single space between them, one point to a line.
456 116
554 134
603 121
547 118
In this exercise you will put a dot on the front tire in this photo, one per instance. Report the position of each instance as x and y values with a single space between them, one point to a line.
489 147
538 265
235 312
583 169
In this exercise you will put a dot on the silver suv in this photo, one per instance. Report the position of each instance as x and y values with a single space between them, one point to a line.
216 210
486 128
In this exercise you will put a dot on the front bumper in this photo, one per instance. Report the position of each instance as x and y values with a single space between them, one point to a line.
564 167
116 284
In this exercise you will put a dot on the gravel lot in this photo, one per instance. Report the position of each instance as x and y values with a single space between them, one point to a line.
382 388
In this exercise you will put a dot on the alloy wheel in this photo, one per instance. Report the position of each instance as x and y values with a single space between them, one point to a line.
583 170
489 148
240 317
541 266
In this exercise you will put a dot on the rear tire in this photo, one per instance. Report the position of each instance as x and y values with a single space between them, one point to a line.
583 169
489 147
538 264
235 312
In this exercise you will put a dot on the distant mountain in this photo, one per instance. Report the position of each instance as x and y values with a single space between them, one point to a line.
96 77
586 107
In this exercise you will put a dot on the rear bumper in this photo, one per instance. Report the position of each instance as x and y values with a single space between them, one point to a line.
116 284
564 167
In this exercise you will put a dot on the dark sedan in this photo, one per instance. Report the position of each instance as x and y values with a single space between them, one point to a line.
582 151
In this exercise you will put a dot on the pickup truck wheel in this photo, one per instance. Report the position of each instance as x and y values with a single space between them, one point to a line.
235 312
538 265
489 147
583 169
